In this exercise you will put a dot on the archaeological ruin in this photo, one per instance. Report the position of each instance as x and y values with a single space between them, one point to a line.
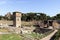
16 24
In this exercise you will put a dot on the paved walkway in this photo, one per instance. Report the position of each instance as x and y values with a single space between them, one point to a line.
49 36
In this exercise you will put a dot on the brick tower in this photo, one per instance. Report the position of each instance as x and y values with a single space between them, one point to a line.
17 19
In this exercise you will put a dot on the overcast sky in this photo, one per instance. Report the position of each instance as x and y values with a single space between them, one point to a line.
49 7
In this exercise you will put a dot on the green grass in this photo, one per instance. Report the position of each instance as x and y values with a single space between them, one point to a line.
57 35
10 37
19 37
35 36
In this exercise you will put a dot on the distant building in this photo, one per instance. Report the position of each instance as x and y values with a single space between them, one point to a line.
17 19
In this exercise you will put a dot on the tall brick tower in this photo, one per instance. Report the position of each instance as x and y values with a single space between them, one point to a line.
17 19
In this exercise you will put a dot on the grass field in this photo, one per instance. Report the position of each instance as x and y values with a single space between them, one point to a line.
33 35
22 36
10 37
17 36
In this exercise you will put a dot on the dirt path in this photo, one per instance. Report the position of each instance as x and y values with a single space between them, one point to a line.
49 36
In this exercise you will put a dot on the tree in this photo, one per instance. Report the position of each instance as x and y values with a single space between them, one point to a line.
8 16
34 16
54 18
1 17
43 16
58 16
48 18
31 16
24 17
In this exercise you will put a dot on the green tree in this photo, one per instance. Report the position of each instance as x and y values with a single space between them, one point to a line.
24 17
0 17
58 16
43 16
48 18
31 16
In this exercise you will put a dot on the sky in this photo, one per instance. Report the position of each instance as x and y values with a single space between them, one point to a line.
49 7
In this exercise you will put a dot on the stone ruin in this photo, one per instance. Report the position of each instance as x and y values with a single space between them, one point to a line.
51 24
15 25
17 28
